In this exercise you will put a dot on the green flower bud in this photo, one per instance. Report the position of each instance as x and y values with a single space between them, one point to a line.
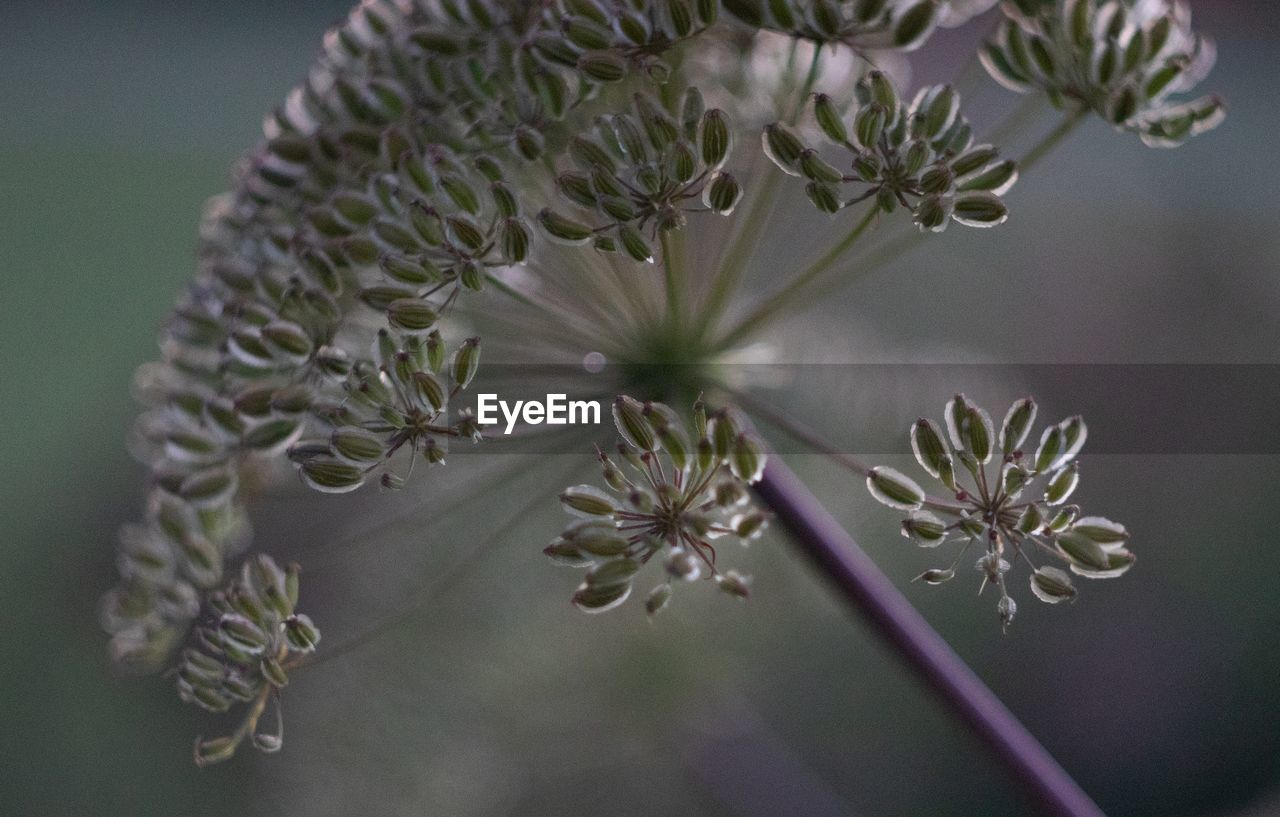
935 576
411 315
747 459
331 476
723 194
588 502
1051 585
824 197
466 361
915 24
869 124
301 633
592 599
894 489
657 598
783 148
925 529
1081 550
628 416
1109 535
357 445
603 66
1062 483
734 583
216 750
564 230
812 166
978 209
829 119
715 138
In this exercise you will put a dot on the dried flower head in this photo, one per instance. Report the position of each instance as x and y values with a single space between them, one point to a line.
1010 503
1121 60
676 494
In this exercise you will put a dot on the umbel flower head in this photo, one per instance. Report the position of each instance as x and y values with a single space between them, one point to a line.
676 493
417 190
1010 503
920 156
243 655
1122 60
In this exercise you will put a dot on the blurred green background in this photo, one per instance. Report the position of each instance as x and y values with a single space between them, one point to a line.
493 696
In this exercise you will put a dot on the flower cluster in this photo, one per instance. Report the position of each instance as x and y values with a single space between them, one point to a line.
244 655
863 25
920 156
1121 60
631 170
673 498
1012 510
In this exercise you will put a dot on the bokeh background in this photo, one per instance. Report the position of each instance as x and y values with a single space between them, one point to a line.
484 692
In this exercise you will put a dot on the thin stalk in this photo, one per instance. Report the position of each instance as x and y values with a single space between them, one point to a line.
870 593
671 274
903 244
744 242
785 297
1051 140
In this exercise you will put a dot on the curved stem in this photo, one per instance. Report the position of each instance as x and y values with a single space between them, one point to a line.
869 592
671 274
1051 140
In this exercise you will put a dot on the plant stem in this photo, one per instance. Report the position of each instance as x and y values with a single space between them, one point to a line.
671 274
1051 140
868 591
784 298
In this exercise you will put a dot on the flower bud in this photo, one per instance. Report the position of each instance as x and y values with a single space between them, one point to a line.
1062 483
925 529
588 502
603 66
782 147
747 459
628 416
598 599
301 633
723 194
564 230
1052 585
894 489
978 209
466 361
1017 423
935 576
716 139
829 119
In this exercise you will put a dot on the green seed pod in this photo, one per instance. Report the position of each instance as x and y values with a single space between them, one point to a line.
287 341
867 165
529 143
749 525
411 315
707 10
916 156
996 179
657 599
747 459
932 213
565 553
813 167
824 197
1051 585
715 138
577 188
381 297
588 502
977 433
925 529
940 108
633 25
782 147
680 14
868 125
930 449
466 361
882 90
980 210
599 540
895 489
915 24
356 445
405 270
935 576
1031 519
210 488
691 111
331 476
602 66
723 194
590 599
208 752
829 119
301 633
1074 435
240 632
734 583
628 416
272 436
586 34
273 672
682 162
1081 550
634 244
724 432
1109 535
1050 447
824 15
1062 483
973 159
514 239
564 230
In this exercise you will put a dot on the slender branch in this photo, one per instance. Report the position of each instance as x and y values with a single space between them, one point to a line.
869 592
672 274
786 297
1051 140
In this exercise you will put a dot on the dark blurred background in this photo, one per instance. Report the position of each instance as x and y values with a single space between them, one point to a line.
491 696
